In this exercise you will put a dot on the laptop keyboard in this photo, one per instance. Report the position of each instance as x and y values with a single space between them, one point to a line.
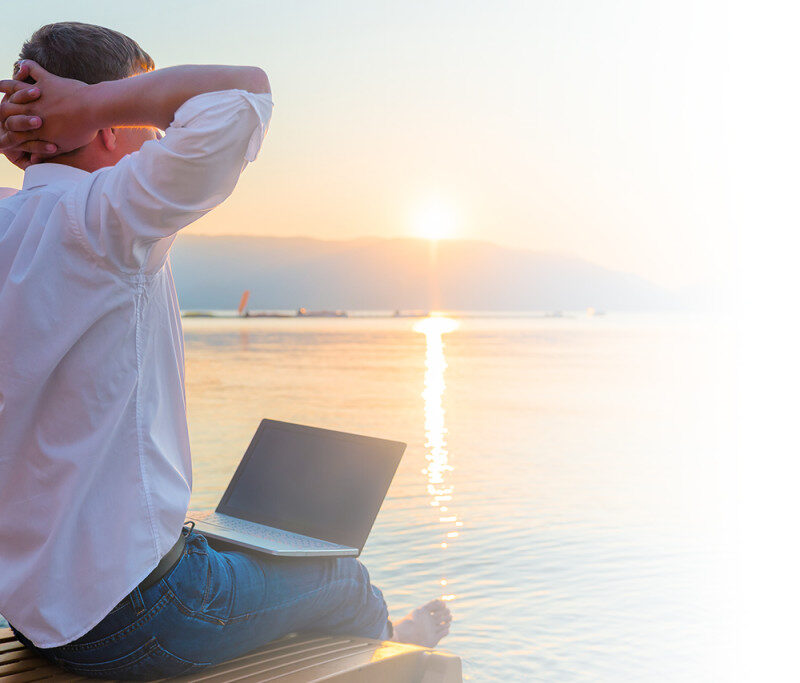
266 533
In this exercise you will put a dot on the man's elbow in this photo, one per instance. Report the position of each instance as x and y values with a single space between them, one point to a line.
255 80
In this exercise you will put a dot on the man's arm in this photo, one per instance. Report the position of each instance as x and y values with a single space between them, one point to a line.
152 99
72 112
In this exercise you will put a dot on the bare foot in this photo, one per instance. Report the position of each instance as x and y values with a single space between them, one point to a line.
425 626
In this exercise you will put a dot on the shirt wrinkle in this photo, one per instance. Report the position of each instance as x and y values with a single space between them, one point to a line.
140 293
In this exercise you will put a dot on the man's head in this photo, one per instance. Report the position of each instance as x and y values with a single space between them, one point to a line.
92 54
86 52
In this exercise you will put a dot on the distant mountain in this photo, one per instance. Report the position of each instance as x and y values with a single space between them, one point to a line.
386 274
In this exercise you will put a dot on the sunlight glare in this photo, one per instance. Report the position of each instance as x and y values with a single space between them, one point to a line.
439 467
435 222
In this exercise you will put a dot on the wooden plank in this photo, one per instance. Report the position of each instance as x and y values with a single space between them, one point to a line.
311 672
289 651
379 661
294 659
17 655
363 660
401 669
288 647
263 664
18 666
28 676
441 667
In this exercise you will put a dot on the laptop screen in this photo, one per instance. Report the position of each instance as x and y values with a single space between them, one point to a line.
310 481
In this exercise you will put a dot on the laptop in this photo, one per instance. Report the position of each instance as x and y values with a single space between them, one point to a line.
302 491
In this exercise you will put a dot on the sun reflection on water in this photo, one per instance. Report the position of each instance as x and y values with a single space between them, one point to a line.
439 487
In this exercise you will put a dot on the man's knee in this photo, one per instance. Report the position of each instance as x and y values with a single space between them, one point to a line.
351 568
363 609
355 576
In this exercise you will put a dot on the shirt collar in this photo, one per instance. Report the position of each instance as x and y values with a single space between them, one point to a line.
39 175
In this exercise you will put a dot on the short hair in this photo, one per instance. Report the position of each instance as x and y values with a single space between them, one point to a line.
86 52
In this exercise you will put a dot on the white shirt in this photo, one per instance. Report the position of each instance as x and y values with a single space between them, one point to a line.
95 468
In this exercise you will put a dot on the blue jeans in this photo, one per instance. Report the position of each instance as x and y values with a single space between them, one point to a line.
214 605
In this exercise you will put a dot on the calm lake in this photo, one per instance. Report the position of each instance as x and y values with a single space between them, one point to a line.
566 484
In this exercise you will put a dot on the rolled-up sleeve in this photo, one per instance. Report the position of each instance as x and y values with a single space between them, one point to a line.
128 214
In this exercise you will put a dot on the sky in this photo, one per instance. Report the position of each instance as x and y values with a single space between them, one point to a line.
599 129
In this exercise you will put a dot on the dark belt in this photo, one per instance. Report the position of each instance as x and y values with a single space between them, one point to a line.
167 562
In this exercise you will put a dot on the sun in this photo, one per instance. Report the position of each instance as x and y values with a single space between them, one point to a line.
435 221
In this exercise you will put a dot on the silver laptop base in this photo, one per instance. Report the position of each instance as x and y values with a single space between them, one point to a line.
265 539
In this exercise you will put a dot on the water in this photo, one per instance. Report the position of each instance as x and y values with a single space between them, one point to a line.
565 485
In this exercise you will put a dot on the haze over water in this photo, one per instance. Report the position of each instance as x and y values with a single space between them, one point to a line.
564 484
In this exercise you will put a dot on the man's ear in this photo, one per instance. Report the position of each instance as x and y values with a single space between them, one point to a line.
108 138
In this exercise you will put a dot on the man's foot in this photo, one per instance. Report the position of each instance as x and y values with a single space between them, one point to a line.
425 626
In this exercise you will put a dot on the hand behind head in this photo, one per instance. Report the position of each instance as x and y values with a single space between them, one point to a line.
44 120
17 92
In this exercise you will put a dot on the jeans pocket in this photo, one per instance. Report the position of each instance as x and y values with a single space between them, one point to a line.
146 663
202 584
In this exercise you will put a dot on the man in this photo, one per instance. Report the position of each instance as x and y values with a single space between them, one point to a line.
96 568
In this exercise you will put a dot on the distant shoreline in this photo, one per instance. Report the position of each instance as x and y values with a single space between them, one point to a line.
345 314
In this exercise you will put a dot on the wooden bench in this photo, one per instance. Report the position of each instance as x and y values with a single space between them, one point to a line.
294 659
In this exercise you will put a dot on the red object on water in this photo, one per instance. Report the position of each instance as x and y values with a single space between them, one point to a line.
243 302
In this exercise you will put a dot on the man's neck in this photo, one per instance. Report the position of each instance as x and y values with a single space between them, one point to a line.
78 159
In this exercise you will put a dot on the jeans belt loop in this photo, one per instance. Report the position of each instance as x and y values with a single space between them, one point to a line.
136 601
